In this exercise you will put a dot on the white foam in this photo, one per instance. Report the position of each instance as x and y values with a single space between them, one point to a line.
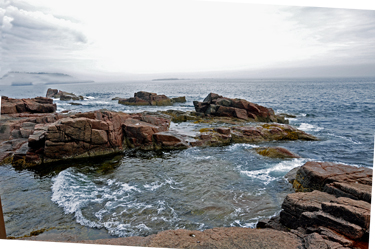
234 147
264 174
309 127
345 138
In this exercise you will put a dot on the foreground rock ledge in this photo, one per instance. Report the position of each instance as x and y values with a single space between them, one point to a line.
230 237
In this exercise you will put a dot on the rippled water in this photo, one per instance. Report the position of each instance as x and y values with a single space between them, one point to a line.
139 193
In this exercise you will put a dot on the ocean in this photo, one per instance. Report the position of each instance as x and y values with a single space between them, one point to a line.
141 193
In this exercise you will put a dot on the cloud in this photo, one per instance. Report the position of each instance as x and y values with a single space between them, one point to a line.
346 35
36 37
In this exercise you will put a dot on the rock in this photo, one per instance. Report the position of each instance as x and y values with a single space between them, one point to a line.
181 116
73 103
297 203
315 241
338 224
34 105
275 152
287 115
343 220
51 93
291 175
316 175
218 105
357 212
147 98
64 96
353 190
181 99
225 237
170 140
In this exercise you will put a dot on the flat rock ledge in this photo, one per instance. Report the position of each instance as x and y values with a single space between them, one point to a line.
229 237
29 140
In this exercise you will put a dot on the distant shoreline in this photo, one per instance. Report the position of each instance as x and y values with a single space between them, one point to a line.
168 79
69 82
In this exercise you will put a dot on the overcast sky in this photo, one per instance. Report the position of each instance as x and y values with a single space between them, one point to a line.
129 38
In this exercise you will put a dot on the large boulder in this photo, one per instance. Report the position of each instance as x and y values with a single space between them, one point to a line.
217 105
62 95
332 197
34 105
147 98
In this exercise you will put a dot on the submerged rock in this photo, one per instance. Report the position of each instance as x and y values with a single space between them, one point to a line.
217 105
275 152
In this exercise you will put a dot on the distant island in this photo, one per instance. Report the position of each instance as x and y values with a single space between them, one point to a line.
168 79
21 83
70 82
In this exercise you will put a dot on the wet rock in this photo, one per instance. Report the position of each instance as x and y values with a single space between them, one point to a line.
147 98
218 105
62 95
34 105
291 175
181 99
170 140
275 152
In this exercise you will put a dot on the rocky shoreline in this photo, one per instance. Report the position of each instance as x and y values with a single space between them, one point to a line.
330 209
29 139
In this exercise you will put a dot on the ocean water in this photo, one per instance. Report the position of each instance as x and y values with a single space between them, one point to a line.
141 193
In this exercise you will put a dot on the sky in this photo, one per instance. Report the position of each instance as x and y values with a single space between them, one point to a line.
114 40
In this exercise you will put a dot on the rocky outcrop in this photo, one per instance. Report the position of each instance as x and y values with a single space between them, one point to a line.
15 130
88 134
58 94
275 152
217 105
81 135
147 98
331 207
34 105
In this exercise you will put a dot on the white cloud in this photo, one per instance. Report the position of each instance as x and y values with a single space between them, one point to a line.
145 36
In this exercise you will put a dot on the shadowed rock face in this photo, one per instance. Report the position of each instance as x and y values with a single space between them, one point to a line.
217 105
332 204
34 105
147 98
